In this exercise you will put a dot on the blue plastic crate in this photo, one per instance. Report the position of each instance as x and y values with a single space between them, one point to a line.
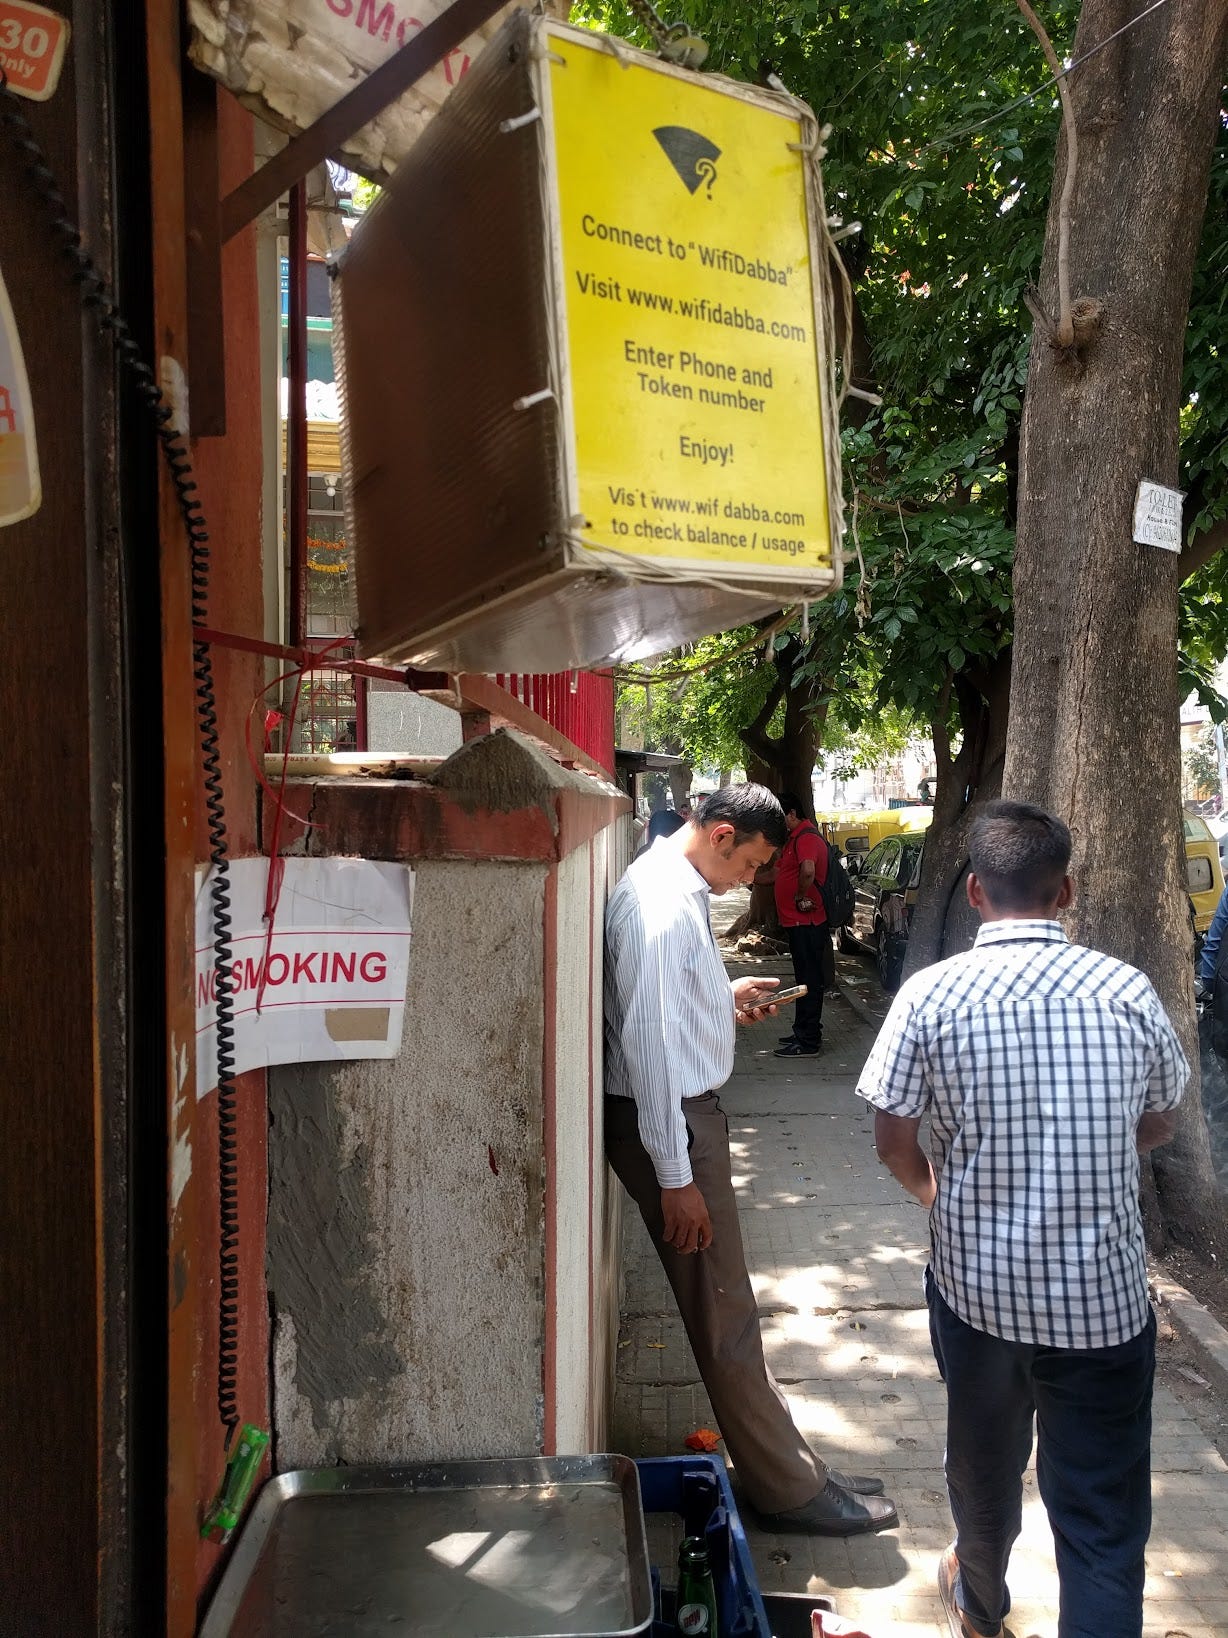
697 1489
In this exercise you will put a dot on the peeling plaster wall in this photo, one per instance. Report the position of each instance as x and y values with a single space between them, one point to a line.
405 1276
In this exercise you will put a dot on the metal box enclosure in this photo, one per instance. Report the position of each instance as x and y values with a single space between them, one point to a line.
548 465
523 1547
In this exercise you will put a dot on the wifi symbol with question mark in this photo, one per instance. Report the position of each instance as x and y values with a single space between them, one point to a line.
691 154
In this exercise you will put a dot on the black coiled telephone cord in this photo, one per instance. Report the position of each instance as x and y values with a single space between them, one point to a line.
98 299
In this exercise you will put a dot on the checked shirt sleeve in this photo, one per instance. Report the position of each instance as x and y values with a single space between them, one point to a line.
895 1078
1170 1072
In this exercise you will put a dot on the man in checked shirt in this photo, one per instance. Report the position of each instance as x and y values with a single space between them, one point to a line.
1046 1069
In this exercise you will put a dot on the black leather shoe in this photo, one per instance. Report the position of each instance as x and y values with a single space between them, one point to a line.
795 1049
835 1512
861 1484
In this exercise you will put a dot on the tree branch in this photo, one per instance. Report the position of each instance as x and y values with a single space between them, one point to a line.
940 732
973 717
910 508
755 736
1203 548
1064 330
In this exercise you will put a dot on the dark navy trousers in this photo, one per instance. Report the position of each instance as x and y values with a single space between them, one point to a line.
810 948
1092 1409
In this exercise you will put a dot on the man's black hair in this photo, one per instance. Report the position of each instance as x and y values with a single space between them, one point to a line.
752 810
791 803
1020 853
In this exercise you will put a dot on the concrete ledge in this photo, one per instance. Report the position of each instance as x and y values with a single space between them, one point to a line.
499 797
1206 1337
858 1006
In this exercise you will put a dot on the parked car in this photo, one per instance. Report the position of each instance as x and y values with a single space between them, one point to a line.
885 882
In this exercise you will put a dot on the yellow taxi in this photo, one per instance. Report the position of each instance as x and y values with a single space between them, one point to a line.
856 833
1204 877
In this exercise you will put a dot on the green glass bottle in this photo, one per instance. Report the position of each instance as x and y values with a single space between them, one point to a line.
696 1601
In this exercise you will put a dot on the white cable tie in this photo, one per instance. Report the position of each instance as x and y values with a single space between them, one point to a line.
805 622
540 51
860 392
531 398
844 232
575 682
520 120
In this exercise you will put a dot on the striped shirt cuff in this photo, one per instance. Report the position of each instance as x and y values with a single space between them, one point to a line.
671 1173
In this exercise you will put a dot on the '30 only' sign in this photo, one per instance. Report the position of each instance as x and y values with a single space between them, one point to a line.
32 45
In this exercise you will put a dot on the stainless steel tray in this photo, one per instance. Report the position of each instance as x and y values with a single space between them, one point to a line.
530 1547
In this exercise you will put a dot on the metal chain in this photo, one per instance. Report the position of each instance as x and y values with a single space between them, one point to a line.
674 40
644 12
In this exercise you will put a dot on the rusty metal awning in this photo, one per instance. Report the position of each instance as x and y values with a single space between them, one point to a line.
646 761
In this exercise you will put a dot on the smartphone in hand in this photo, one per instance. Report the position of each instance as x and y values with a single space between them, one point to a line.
770 999
777 996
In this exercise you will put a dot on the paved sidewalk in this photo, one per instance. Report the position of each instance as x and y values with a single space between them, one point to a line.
836 1252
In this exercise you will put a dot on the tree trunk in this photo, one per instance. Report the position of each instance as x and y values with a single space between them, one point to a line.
786 762
680 783
1094 705
759 772
943 922
759 916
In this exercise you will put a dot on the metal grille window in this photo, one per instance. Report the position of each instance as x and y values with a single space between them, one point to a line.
331 607
331 712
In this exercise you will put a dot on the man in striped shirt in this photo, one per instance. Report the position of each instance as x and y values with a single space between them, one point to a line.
1045 1070
670 1012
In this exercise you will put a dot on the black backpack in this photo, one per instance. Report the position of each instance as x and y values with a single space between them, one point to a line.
837 890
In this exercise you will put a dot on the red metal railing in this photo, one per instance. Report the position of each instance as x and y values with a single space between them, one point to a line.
579 704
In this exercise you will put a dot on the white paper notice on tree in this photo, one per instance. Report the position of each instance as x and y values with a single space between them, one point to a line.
330 981
1157 516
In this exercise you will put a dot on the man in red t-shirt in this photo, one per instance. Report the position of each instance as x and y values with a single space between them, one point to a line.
800 872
